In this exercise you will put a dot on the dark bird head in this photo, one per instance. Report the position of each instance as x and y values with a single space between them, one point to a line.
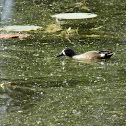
67 52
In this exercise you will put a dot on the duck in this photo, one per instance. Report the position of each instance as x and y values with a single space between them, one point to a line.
87 55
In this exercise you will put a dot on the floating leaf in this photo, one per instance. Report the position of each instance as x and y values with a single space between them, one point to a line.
97 28
74 15
5 84
11 84
13 35
93 36
53 28
85 8
20 28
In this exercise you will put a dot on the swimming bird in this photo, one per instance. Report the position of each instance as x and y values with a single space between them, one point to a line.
87 55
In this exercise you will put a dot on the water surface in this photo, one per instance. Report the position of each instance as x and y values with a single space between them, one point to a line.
53 91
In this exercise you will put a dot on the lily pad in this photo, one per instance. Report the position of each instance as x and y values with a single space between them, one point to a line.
74 15
20 28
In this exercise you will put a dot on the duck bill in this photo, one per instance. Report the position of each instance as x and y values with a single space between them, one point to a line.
61 54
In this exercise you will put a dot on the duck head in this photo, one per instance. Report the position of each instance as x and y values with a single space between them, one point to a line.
67 52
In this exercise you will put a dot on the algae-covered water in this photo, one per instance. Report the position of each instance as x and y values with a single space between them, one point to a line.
50 91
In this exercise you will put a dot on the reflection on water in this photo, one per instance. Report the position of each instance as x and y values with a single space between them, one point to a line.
5 11
7 100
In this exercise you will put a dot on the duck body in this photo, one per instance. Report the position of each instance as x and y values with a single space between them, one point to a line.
87 55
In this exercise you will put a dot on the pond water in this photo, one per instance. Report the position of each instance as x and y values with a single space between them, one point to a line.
52 91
